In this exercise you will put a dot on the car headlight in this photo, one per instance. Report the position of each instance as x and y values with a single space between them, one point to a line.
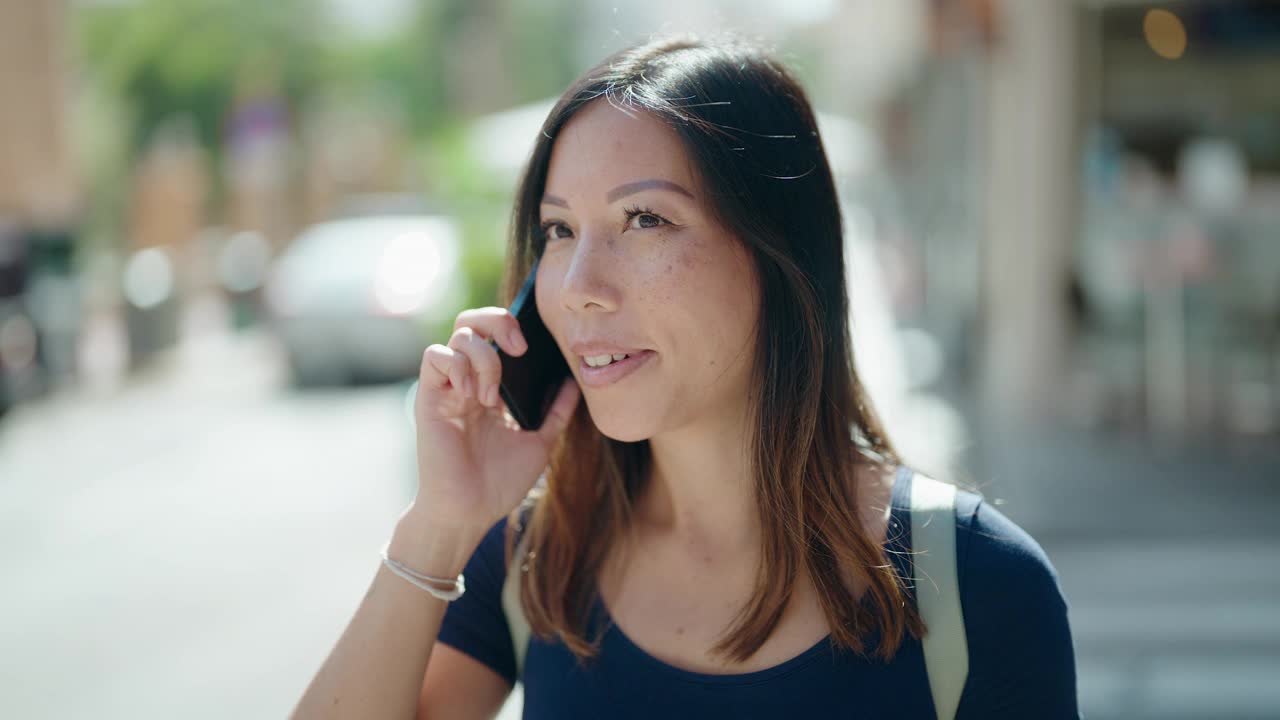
411 275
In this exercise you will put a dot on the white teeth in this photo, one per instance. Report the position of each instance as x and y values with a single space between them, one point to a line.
602 360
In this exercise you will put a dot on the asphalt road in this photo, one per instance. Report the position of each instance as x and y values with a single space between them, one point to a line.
193 544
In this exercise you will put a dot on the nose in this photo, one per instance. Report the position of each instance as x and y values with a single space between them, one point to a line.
589 282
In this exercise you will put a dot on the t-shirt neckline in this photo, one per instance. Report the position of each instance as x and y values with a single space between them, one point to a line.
894 536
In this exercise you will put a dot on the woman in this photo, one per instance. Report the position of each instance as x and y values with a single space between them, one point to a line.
720 533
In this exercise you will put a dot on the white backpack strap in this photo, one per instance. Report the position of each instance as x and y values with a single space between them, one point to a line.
511 606
933 545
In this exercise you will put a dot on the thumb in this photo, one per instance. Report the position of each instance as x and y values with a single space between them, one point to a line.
561 412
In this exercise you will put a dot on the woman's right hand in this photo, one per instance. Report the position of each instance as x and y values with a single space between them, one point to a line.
475 462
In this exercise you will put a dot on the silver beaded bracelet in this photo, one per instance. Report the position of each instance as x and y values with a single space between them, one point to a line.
420 580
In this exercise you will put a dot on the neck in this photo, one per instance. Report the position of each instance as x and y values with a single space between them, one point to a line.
701 494
700 491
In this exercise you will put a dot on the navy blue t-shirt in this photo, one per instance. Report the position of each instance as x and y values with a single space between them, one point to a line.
1021 656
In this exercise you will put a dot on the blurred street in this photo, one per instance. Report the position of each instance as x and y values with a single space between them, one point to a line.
1169 561
192 545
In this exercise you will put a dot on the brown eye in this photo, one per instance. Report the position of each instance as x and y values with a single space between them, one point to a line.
644 219
555 230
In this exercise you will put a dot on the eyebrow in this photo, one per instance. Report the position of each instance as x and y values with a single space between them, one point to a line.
626 189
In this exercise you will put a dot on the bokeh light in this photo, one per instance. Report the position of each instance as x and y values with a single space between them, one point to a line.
1165 33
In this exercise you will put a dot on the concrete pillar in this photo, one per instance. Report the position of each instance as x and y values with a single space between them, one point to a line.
1031 206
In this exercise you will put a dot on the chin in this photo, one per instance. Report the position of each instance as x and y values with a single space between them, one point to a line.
621 426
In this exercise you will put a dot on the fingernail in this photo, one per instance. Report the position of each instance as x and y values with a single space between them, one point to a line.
517 342
493 396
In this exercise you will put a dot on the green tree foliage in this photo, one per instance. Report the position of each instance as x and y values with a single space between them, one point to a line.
169 57
533 38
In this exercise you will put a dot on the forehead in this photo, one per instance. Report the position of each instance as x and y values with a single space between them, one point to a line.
603 146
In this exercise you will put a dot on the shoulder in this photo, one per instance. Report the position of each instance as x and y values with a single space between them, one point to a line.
490 556
486 563
475 623
486 570
999 565
1021 654
997 558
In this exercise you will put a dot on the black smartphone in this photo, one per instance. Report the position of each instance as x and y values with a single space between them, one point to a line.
530 382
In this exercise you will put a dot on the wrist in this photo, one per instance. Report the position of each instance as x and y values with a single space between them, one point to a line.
431 548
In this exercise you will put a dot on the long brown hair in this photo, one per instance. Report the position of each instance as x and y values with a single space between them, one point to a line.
752 136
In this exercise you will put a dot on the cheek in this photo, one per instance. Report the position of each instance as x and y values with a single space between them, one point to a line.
708 296
678 278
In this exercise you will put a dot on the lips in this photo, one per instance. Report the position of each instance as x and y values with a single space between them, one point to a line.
616 371
600 347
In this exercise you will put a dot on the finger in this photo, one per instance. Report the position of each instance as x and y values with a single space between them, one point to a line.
445 369
561 411
497 324
484 362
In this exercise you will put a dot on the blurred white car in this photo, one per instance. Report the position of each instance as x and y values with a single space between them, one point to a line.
356 299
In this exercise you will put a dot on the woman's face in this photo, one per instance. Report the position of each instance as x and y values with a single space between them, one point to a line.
635 263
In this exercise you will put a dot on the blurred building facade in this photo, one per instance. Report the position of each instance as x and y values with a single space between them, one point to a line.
37 179
1176 252
39 202
1083 193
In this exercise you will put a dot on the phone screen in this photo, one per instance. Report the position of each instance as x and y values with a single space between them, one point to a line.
530 382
